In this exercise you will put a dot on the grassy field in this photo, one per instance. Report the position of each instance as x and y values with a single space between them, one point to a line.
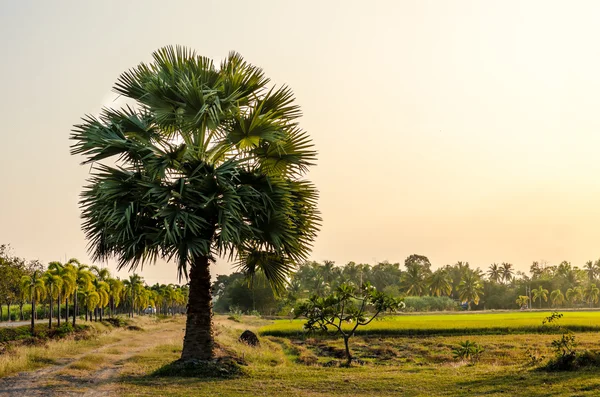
390 365
455 324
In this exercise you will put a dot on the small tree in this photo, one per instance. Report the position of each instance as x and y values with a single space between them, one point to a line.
345 310
522 300
540 294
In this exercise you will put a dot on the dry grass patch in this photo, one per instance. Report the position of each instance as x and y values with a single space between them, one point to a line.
91 362
28 358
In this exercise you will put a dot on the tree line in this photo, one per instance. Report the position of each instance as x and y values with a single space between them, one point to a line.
64 291
451 287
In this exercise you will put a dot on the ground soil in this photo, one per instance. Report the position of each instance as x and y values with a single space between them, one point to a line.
94 373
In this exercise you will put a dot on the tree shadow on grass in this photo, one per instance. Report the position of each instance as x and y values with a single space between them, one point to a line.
533 383
218 369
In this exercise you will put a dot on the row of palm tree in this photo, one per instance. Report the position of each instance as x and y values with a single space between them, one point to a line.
96 291
577 295
499 285
458 281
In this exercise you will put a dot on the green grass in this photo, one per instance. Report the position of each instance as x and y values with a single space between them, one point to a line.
394 366
15 312
455 324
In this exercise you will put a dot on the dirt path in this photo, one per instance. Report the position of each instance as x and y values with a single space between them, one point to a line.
94 373
14 323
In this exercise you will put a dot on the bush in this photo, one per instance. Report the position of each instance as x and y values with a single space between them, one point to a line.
467 350
116 322
429 303
64 330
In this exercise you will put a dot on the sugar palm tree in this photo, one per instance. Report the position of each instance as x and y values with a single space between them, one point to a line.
440 283
557 298
470 288
209 163
35 290
540 293
53 285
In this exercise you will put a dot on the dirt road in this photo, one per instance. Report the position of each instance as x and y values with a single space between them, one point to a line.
14 323
96 372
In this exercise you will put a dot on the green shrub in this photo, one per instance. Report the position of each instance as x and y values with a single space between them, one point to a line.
429 303
467 350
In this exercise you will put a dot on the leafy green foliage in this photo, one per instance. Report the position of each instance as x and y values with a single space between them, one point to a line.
467 350
347 304
208 163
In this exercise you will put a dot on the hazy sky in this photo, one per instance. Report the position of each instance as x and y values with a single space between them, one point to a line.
460 130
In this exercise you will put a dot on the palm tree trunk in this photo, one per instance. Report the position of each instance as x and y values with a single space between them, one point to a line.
75 308
32 316
21 310
198 342
8 306
67 310
58 315
51 309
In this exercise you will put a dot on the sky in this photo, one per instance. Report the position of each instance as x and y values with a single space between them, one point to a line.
459 130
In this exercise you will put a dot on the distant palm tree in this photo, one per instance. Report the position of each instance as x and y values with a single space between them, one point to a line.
35 290
102 289
294 289
470 289
415 279
522 300
102 274
67 284
591 294
133 287
440 283
557 298
115 290
590 267
540 294
507 272
53 285
494 273
574 295
83 279
328 271
351 272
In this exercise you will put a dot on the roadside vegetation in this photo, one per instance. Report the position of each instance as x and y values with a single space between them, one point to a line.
22 351
60 293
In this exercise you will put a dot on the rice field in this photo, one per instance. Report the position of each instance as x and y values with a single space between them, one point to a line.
456 324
